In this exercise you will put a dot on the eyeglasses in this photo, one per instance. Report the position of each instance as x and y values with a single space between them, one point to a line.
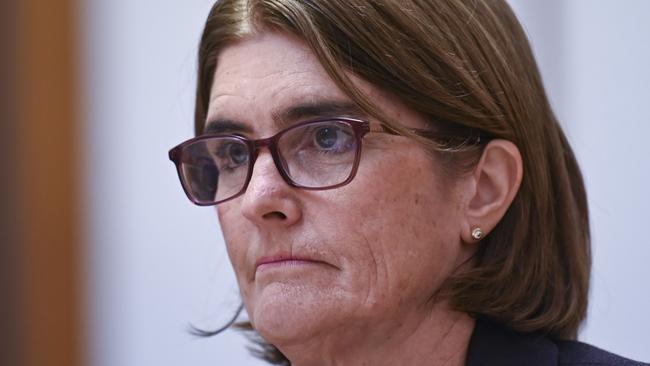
315 155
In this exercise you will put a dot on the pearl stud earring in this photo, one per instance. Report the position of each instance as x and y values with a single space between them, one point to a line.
477 233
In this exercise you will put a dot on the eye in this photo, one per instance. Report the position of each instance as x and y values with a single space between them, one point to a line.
237 153
231 154
332 138
326 137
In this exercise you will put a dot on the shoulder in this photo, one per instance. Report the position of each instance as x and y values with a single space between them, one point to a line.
493 344
578 353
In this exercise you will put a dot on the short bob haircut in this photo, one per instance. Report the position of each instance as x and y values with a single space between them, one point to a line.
466 67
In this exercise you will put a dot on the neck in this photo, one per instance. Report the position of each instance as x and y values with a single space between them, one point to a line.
438 337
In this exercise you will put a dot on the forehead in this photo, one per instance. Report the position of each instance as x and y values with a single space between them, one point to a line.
261 79
257 80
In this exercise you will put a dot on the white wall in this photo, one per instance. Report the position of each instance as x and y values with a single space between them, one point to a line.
594 56
155 263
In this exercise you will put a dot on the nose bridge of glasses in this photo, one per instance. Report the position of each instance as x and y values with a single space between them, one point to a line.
265 142
271 144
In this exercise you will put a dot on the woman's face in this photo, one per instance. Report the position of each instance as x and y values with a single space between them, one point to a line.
311 263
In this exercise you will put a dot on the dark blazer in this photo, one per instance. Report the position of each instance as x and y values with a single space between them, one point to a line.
493 345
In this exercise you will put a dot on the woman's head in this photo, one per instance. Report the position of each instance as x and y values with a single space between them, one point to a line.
399 235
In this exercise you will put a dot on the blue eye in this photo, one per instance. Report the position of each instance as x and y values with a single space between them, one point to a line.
332 139
231 155
237 153
326 137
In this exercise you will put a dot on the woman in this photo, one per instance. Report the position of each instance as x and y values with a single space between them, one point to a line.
391 182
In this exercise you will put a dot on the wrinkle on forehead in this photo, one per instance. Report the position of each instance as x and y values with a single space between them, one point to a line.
262 74
251 88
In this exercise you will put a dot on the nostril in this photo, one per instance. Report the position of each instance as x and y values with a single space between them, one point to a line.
275 215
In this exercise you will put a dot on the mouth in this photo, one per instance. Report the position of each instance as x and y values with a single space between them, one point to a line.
277 261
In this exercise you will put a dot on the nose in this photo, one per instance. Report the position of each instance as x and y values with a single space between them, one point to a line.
268 199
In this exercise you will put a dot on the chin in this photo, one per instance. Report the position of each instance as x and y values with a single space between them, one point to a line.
286 314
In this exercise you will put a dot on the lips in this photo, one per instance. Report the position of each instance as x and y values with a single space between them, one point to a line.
279 260
284 259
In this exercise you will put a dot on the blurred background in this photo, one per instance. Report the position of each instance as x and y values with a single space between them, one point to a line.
103 260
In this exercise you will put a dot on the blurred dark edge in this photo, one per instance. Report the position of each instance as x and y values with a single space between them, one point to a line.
11 336
40 312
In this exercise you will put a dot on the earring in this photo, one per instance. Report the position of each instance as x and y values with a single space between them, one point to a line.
477 233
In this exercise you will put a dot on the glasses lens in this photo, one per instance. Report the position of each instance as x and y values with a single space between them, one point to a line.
319 154
215 169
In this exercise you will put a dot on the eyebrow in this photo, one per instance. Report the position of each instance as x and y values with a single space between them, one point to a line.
302 111
225 125
317 110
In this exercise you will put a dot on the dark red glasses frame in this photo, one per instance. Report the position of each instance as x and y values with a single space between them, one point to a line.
359 127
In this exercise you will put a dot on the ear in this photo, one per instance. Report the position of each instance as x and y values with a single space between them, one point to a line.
495 182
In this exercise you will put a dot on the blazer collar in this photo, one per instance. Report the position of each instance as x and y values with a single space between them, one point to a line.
492 345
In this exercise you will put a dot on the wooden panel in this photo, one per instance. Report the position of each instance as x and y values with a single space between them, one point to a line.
48 172
11 345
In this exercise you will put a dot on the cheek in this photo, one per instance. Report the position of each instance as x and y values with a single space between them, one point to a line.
228 223
409 223
235 237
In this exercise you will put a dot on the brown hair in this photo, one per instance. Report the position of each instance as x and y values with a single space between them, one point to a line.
465 66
